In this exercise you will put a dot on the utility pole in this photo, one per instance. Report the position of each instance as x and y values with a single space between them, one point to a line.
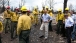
65 4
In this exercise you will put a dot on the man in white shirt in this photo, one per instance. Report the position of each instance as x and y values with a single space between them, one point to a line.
45 22
68 26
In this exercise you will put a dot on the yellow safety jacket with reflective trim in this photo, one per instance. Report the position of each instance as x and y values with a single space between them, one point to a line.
35 12
6 14
14 17
24 23
60 17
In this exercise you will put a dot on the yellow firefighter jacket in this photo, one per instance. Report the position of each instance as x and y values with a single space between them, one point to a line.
24 23
6 14
32 18
1 27
14 16
35 12
51 14
60 17
69 14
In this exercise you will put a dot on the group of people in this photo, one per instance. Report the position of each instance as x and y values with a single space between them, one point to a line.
20 25
65 24
16 24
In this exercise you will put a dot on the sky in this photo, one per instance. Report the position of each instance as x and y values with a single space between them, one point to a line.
31 3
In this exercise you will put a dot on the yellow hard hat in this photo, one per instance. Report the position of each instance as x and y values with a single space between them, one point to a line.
60 10
66 8
46 6
23 8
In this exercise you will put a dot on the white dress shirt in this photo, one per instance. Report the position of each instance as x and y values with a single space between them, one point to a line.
69 22
46 17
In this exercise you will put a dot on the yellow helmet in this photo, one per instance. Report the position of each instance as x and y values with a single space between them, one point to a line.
23 8
60 10
66 8
46 6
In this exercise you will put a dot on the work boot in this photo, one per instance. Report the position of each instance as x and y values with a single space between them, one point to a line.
41 36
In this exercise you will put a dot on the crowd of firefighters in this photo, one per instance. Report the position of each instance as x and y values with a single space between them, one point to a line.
20 24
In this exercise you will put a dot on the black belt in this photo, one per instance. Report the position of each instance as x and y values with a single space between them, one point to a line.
7 18
26 30
14 21
60 20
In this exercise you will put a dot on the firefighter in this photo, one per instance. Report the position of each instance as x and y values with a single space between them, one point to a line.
24 26
50 23
59 19
31 16
14 20
46 8
1 29
36 13
7 18
67 11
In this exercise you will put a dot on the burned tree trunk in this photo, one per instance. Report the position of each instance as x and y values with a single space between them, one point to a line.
65 4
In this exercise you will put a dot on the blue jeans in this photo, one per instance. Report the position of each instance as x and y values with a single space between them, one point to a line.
74 32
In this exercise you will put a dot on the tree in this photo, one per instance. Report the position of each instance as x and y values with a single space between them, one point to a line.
70 7
50 3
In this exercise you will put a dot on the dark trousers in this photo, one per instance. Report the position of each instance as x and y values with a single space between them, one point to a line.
68 34
50 26
13 29
0 39
72 28
41 21
7 24
24 36
59 26
63 31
